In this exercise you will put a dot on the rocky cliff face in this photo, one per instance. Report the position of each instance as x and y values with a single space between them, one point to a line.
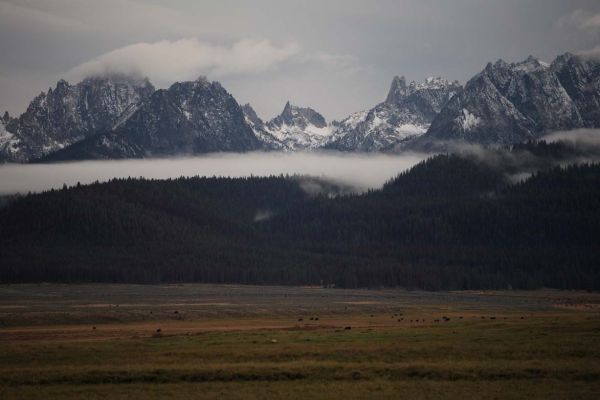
187 118
406 114
580 76
511 103
69 113
296 128
120 116
299 128
269 142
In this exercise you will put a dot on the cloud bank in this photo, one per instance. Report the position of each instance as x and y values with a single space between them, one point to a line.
168 61
581 19
588 138
582 146
360 172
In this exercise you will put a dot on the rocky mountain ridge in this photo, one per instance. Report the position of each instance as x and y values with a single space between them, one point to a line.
69 114
120 116
185 119
406 114
511 103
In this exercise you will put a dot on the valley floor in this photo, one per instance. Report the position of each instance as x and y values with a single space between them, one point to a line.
244 342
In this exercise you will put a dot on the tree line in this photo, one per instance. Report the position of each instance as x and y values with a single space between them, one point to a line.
450 222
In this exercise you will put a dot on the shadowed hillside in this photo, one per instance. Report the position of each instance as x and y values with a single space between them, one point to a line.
451 222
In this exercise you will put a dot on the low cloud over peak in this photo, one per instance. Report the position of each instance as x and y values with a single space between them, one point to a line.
168 61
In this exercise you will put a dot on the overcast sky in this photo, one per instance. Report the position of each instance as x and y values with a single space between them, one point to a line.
337 56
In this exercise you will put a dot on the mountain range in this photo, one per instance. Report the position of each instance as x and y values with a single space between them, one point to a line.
118 116
511 103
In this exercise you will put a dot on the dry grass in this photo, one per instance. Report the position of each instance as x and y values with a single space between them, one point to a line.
526 346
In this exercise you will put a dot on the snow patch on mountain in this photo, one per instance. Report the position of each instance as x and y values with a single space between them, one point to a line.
296 128
467 120
405 115
510 103
68 114
9 144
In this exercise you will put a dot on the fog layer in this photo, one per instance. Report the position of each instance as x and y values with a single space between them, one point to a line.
362 172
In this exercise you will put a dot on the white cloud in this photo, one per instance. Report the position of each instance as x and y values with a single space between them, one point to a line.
168 61
359 171
28 15
343 62
587 137
581 19
591 53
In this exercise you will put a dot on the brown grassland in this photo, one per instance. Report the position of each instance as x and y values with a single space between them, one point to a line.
246 342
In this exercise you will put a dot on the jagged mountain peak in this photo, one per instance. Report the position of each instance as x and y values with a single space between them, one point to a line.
296 128
251 115
299 116
531 64
398 90
188 118
200 83
504 103
405 114
68 113
528 65
579 74
117 78
510 103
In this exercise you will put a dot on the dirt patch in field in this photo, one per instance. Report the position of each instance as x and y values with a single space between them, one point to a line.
582 307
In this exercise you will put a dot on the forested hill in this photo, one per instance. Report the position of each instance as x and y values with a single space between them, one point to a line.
451 222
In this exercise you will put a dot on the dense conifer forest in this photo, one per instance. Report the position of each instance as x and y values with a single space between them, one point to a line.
451 222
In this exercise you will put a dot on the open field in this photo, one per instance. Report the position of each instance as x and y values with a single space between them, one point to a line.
101 341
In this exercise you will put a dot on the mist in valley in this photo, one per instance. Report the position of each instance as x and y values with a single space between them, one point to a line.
357 171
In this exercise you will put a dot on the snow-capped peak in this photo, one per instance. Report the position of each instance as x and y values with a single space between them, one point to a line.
400 91
299 116
432 82
297 128
530 64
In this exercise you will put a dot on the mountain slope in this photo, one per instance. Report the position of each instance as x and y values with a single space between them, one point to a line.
451 222
580 76
511 103
299 128
405 114
71 113
269 142
187 118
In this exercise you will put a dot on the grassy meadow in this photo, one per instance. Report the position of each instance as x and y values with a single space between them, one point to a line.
244 342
